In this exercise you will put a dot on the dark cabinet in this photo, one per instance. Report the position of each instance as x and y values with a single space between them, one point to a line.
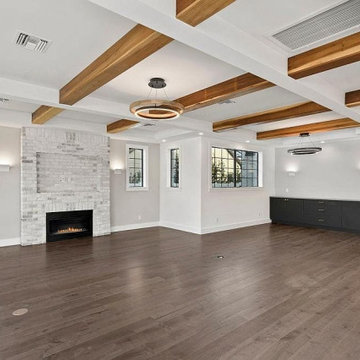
286 208
322 212
351 215
334 214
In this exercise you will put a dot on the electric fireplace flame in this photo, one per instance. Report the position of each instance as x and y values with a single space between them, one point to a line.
68 224
70 230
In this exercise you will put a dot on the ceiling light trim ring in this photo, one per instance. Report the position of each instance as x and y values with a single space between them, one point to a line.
156 109
305 150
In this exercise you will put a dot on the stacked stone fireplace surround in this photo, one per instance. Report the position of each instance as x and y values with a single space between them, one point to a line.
63 170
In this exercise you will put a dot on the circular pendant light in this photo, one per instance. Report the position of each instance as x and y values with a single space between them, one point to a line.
304 150
156 109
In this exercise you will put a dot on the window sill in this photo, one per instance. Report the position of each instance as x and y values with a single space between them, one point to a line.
169 188
137 189
259 188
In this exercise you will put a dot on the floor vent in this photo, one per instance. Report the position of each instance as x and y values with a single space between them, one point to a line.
322 26
32 42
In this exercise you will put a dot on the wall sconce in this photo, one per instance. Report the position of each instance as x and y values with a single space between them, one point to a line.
4 168
291 173
118 171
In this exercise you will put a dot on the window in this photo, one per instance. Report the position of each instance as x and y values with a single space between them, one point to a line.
174 168
234 168
135 166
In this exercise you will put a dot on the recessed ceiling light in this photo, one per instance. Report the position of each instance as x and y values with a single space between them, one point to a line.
220 257
322 142
201 133
163 140
247 141
227 101
20 312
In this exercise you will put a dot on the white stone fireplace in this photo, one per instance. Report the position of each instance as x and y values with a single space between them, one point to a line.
63 170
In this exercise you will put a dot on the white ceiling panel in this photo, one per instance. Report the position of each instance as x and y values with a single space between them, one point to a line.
184 69
303 120
79 30
259 101
346 77
18 106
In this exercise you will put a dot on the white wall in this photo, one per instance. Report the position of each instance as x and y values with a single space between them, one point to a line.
224 209
333 173
131 209
181 208
198 208
126 206
10 186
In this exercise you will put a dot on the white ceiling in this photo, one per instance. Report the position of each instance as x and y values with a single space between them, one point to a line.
184 69
80 31
272 16
252 103
294 122
346 78
18 106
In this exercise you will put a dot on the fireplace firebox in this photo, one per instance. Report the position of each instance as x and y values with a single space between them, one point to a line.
68 224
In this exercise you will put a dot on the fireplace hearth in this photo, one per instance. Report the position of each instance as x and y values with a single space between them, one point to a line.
68 225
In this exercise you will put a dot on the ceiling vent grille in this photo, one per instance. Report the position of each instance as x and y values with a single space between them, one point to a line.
32 42
322 26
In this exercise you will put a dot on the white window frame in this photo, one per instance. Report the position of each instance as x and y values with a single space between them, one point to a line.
145 150
260 186
168 167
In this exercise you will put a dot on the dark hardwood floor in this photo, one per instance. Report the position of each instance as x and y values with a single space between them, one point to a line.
281 292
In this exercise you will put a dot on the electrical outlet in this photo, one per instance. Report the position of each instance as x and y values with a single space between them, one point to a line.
139 217
286 190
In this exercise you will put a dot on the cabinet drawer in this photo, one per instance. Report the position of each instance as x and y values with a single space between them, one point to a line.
322 212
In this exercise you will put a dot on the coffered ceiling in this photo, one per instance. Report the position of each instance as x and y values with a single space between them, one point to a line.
231 42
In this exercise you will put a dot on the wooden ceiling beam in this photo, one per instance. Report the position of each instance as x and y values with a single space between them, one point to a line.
237 86
352 98
324 126
283 113
121 125
135 46
193 12
139 43
44 113
329 56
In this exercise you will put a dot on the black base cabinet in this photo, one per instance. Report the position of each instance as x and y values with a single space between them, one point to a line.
333 214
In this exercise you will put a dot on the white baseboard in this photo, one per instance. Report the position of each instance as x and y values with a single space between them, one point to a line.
191 229
9 242
212 229
134 226
180 227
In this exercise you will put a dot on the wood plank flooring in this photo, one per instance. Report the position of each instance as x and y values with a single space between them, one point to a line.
280 293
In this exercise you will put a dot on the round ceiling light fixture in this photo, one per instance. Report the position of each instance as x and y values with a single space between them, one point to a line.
156 109
305 150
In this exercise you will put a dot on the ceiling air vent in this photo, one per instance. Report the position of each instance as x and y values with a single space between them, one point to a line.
32 42
322 26
227 101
